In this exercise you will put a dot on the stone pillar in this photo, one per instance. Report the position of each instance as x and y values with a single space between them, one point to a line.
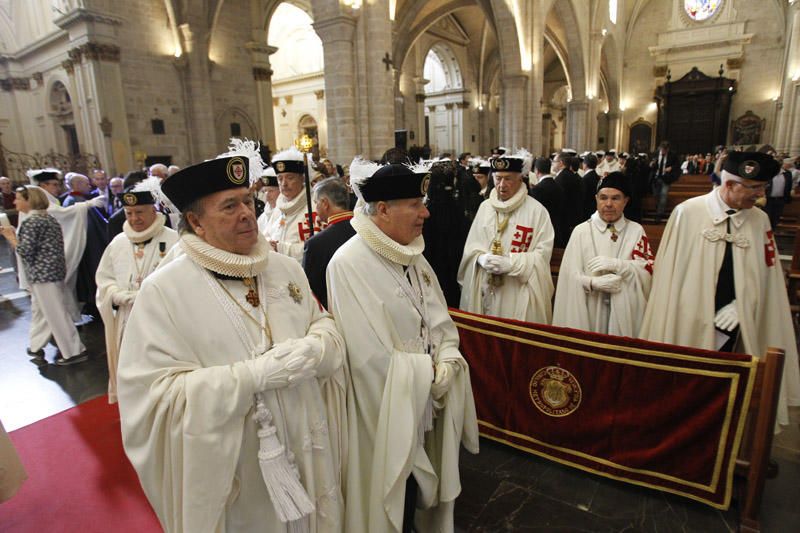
535 89
577 127
374 41
787 136
546 131
197 76
419 109
97 92
513 111
337 34
262 76
615 130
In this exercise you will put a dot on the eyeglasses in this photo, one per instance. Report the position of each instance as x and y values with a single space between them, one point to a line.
758 187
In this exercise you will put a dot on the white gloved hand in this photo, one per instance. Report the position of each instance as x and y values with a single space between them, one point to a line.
610 283
285 364
604 264
499 264
97 201
444 373
310 348
483 261
727 318
123 297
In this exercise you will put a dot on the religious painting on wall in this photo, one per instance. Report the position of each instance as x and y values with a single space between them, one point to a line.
700 10
640 136
747 129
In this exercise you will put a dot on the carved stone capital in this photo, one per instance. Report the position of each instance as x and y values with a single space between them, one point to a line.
419 98
320 94
69 66
38 77
462 105
735 63
94 52
449 105
659 71
262 74
15 84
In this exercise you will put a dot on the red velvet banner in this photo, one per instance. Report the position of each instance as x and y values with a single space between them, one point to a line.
661 416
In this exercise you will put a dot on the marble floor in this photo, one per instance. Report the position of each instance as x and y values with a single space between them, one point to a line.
503 489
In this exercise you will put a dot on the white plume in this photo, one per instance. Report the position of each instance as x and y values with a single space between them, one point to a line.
36 171
250 150
153 185
290 154
360 170
423 167
527 159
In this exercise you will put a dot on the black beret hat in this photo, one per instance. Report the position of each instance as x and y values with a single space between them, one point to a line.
130 199
195 182
395 182
43 176
498 150
290 165
615 180
507 164
751 165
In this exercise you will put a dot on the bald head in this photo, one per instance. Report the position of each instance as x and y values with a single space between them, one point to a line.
159 170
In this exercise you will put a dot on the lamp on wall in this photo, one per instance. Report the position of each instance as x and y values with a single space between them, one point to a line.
352 4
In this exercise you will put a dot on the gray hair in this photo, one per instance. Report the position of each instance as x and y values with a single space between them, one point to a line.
371 208
334 190
195 207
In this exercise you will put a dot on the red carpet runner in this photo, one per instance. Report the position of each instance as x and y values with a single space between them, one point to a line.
78 477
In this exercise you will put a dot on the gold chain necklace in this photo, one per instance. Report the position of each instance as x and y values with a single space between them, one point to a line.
264 327
496 280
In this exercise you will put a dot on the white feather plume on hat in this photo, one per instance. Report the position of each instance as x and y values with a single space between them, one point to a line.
290 154
31 172
153 185
250 150
527 159
424 166
360 170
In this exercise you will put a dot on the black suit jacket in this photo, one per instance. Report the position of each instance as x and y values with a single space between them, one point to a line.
572 186
672 161
318 252
787 189
551 196
590 180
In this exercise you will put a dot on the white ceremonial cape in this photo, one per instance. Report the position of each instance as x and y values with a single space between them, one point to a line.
527 291
616 314
681 306
263 220
288 224
604 167
117 271
187 423
389 380
72 220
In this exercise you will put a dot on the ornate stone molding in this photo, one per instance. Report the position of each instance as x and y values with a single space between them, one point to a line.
69 66
86 15
449 105
94 52
462 105
338 28
735 63
262 74
275 101
15 84
419 98
320 94
659 71
38 77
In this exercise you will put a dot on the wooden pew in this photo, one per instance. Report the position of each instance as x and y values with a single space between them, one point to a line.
751 466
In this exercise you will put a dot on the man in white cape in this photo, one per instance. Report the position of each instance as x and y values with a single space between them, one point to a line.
222 415
505 269
128 259
410 402
287 227
702 298
607 268
72 220
269 195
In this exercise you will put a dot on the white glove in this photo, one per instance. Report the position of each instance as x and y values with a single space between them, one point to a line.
727 318
499 264
309 348
483 261
123 297
605 264
444 374
610 283
285 364
97 201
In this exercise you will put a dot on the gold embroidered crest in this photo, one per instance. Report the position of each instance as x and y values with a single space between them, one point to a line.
280 166
423 187
295 293
500 164
236 171
130 199
426 278
555 391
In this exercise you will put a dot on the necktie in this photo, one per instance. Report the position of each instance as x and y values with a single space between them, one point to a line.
726 288
613 231
661 160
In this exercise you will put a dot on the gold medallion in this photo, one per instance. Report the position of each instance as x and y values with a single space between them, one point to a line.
295 293
426 278
236 170
555 391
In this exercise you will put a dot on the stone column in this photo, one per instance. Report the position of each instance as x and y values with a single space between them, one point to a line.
546 131
535 89
337 34
419 109
577 127
615 131
197 77
513 112
787 136
97 92
262 75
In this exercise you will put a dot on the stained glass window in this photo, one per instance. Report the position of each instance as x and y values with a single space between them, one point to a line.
700 10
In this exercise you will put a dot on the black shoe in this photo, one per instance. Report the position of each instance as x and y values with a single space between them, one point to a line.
75 359
39 361
37 353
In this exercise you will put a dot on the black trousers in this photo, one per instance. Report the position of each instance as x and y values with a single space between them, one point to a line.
410 504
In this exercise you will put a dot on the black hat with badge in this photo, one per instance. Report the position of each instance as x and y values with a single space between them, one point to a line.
196 181
395 182
754 166
134 198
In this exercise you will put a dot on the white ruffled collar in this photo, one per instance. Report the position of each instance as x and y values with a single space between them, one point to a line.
141 236
383 245
512 203
226 263
290 207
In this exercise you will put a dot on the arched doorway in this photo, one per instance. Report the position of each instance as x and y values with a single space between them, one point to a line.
60 105
443 100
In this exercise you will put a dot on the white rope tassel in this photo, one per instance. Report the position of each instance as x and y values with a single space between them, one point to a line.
426 423
282 479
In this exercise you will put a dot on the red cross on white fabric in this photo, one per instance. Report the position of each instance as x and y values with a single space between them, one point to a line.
643 251
769 249
523 236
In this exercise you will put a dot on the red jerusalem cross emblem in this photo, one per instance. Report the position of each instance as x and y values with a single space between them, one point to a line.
522 239
643 251
303 227
769 249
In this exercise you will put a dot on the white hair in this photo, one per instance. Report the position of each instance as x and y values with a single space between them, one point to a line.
158 166
71 176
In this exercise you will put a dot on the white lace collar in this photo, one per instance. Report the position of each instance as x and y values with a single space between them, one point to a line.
383 245
226 263
145 235
290 207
